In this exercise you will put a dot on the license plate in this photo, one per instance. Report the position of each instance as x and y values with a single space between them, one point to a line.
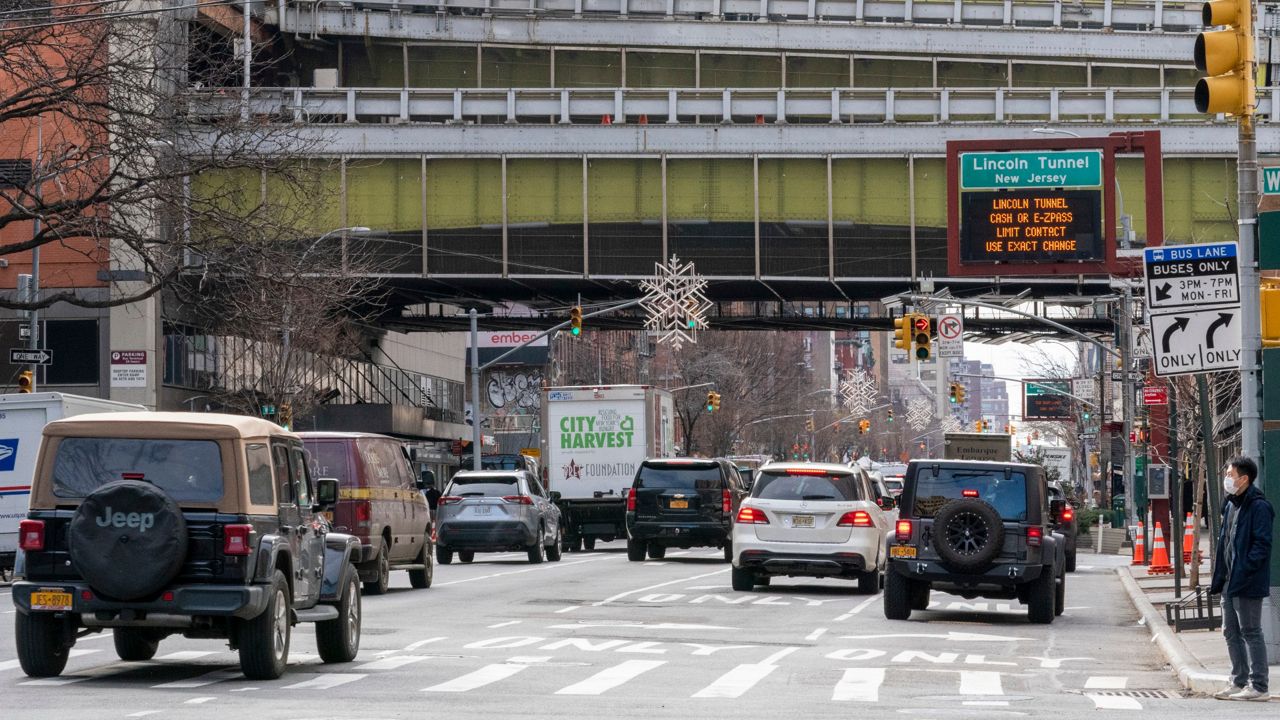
679 505
44 599
802 521
902 551
482 509
328 515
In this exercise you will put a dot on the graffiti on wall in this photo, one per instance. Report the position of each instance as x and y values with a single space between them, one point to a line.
514 392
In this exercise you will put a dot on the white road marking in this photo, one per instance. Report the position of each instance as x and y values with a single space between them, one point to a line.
987 703
1105 682
610 678
571 608
529 659
678 553
200 700
414 646
508 623
774 658
185 655
1113 702
326 681
621 595
951 636
144 713
11 664
535 568
393 662
815 634
736 682
635 625
859 685
216 676
980 682
859 607
484 676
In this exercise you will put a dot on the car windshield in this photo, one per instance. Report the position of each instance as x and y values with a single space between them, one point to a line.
1007 494
782 486
186 470
483 486
894 484
691 476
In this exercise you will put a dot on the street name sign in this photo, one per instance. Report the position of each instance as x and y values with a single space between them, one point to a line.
950 335
1271 180
20 356
1192 275
1034 169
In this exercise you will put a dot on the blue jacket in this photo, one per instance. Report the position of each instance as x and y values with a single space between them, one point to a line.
1251 569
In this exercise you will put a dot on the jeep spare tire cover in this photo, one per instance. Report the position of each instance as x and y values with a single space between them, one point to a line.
967 535
128 539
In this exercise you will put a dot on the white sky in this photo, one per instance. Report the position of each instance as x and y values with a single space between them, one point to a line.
1011 360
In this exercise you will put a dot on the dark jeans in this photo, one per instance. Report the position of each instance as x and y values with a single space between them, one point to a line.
1242 626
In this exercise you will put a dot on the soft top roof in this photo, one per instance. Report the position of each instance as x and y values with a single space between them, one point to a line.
164 425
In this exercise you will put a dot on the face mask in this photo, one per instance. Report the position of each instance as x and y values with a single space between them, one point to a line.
1229 485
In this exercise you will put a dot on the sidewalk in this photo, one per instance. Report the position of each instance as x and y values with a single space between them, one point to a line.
1197 657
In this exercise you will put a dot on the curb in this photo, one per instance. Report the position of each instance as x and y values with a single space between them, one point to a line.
1190 672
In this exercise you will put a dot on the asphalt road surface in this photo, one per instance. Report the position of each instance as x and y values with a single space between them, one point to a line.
596 636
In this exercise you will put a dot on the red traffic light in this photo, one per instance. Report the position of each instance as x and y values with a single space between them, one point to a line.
920 323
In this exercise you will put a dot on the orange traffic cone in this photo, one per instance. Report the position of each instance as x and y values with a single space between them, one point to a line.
1139 546
1159 555
1188 539
606 119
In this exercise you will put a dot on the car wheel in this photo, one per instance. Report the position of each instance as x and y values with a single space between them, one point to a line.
466 556
1071 561
379 585
1060 595
869 582
42 646
589 544
635 551
656 551
339 639
444 556
264 640
728 552
537 552
1040 597
743 580
135 644
967 535
420 579
553 550
897 596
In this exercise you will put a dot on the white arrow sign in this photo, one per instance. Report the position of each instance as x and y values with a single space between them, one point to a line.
1201 340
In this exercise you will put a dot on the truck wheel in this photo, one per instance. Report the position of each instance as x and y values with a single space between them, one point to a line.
869 582
339 639
264 640
1060 595
42 649
553 550
1071 561
743 580
589 543
444 556
656 551
897 596
379 585
1040 597
422 578
728 552
135 644
466 556
635 551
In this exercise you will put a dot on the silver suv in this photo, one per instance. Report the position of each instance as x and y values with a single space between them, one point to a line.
497 511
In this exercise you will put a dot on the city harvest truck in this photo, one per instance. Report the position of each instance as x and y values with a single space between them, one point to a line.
988 447
22 420
594 440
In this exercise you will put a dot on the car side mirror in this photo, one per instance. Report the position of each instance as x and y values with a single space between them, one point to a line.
426 480
887 502
555 496
1056 507
326 493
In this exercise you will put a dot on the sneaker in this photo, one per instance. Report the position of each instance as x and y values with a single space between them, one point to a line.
1251 694
1226 692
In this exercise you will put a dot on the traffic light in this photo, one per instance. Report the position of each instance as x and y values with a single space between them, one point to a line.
575 321
977 426
1227 57
864 426
713 401
890 414
285 418
902 332
26 381
959 393
921 335
810 425
953 392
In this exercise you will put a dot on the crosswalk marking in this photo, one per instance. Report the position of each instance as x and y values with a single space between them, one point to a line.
14 664
736 682
1106 682
1113 702
859 685
980 682
186 655
200 700
209 678
325 681
610 678
393 662
484 676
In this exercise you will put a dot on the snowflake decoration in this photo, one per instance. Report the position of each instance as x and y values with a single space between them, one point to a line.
951 423
675 303
919 413
859 392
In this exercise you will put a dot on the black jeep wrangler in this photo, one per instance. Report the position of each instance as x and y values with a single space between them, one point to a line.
203 525
976 529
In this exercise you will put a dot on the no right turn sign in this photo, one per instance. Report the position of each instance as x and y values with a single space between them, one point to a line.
950 335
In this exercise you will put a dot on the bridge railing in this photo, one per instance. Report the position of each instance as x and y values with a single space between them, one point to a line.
1075 14
703 105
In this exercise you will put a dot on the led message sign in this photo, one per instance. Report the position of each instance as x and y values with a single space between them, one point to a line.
1032 226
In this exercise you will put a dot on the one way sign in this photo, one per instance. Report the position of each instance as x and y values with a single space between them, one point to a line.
1199 340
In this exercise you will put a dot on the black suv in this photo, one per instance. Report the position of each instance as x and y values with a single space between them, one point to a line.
684 503
202 525
1064 522
976 529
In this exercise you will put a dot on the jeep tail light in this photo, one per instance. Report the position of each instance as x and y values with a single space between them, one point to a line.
517 499
1068 514
902 531
631 500
450 500
726 502
856 518
31 535
235 539
751 516
969 493
1034 536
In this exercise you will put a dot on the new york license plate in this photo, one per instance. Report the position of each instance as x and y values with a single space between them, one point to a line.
679 505
902 551
50 599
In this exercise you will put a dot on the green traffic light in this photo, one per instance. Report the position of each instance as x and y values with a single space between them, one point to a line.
576 331
710 408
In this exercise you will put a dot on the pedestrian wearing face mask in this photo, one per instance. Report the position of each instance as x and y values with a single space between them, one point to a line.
1242 574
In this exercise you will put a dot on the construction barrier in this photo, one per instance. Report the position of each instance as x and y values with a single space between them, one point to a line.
1188 539
1159 555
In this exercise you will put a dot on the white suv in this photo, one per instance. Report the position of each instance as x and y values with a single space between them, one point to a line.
810 519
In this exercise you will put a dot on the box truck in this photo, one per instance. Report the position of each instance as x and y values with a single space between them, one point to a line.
22 420
594 439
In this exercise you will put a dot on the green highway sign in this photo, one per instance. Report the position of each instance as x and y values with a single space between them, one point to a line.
1271 180
1033 169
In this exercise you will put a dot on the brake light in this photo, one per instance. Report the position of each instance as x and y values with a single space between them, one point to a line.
449 500
631 500
517 499
235 539
1068 514
31 535
806 471
902 531
969 493
751 516
726 502
856 518
1034 535
363 513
